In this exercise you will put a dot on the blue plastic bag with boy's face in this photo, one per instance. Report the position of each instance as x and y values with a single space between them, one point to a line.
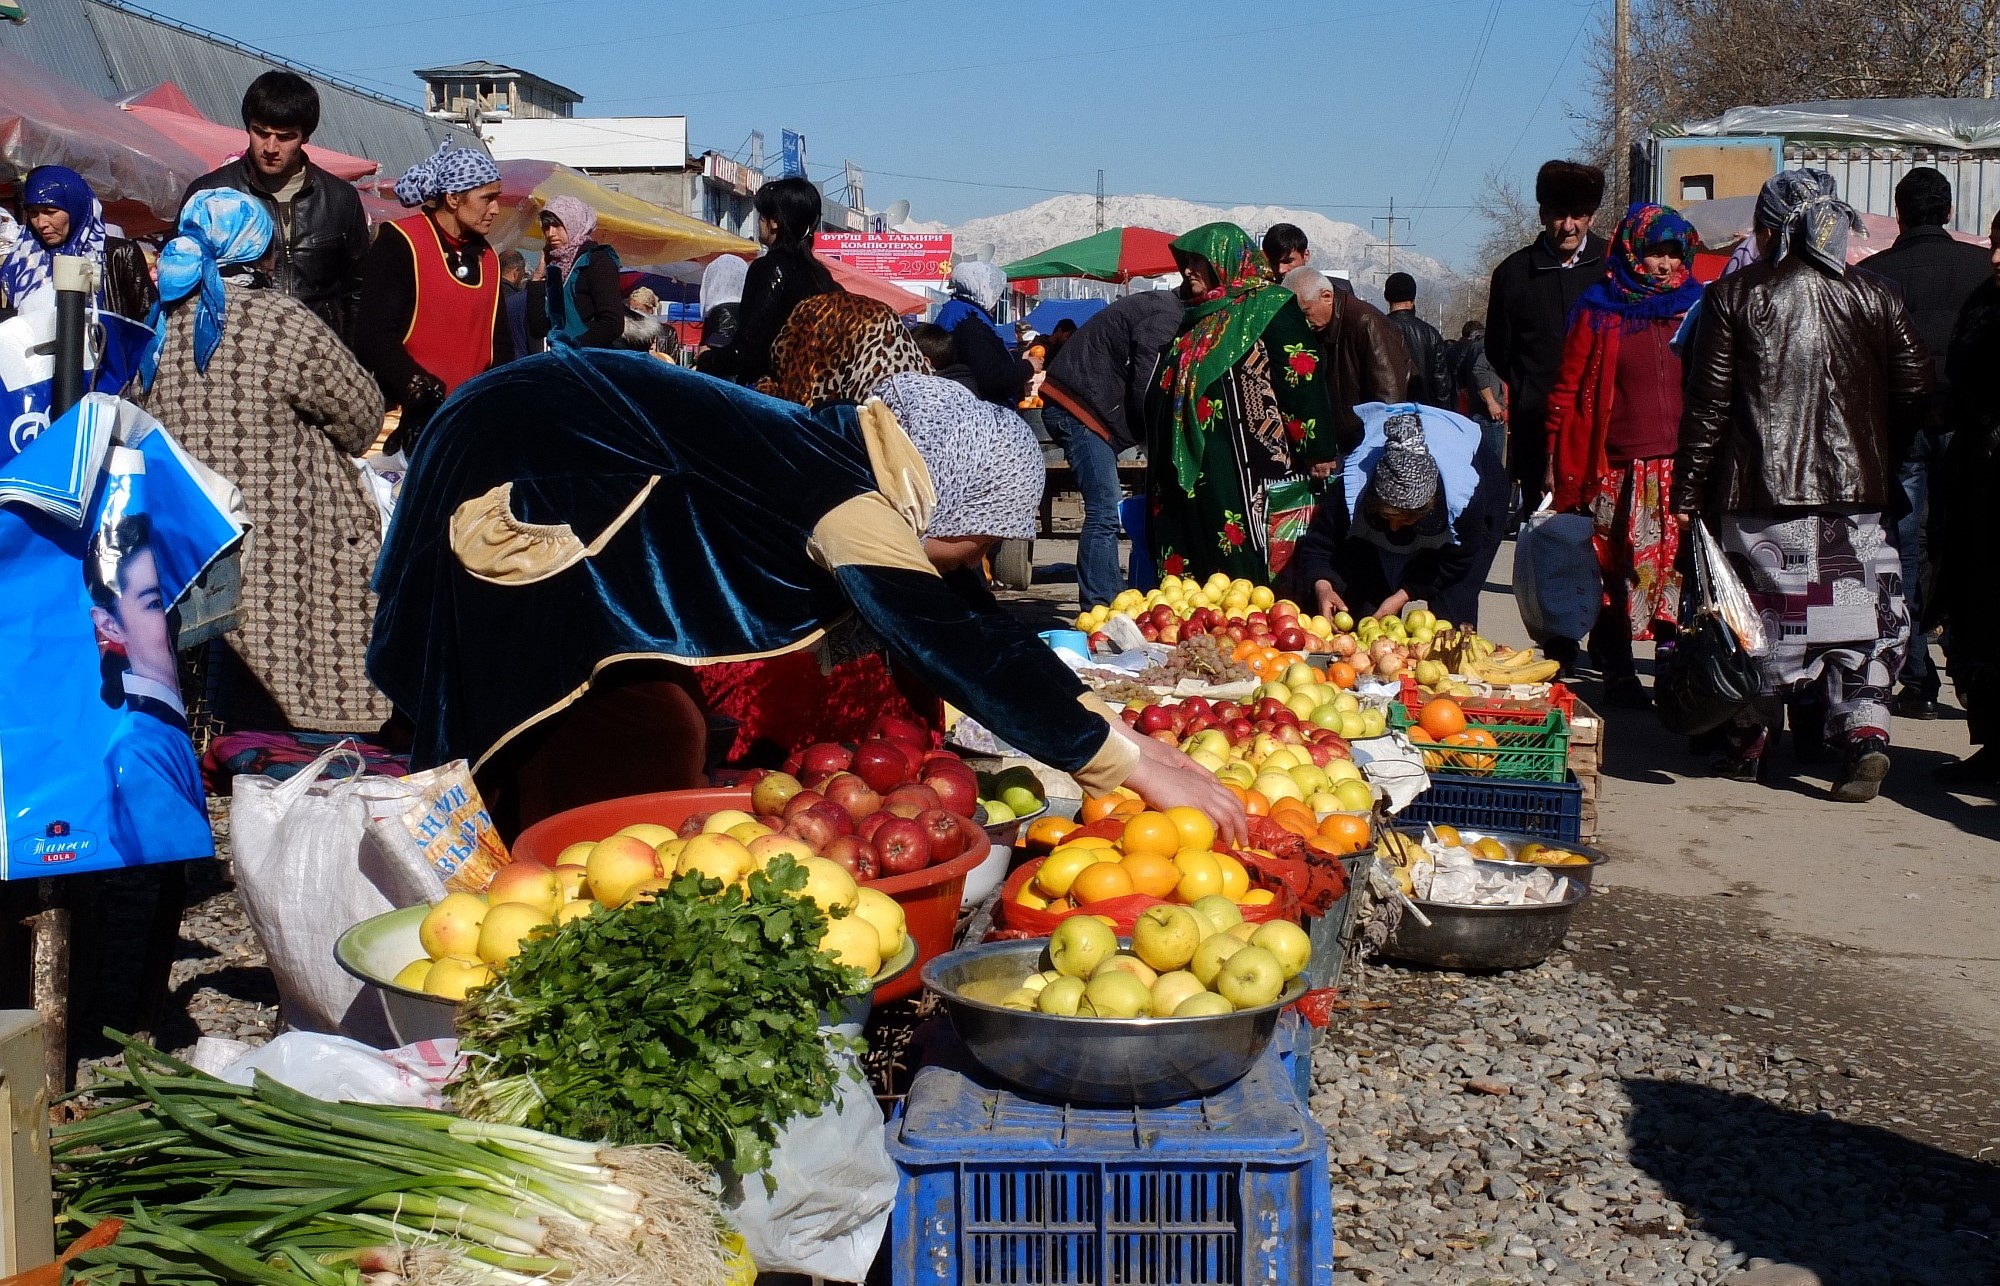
97 543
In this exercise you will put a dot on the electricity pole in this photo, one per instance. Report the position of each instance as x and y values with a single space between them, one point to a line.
1389 242
1621 104
1100 200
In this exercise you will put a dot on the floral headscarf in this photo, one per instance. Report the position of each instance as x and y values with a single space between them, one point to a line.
1804 208
449 169
840 348
579 221
30 263
1627 294
1217 330
986 468
219 227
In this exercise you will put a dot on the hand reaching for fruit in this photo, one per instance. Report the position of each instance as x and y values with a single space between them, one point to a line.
1165 778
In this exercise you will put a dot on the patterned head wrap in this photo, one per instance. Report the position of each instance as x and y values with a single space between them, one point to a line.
449 169
722 281
579 221
979 283
1406 477
1216 331
986 468
839 348
219 227
30 263
1804 208
1627 294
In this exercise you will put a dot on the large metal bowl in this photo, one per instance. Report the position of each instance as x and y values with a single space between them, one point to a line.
1120 1062
1577 873
1484 937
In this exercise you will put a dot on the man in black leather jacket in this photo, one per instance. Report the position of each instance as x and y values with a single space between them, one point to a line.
323 232
1431 384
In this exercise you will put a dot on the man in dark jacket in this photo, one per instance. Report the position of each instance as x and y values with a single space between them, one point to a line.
1094 406
1477 390
1936 275
1804 385
322 231
1528 307
1431 384
1365 357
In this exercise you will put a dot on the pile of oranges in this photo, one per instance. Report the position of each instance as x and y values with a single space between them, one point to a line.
1270 665
1441 722
1336 832
1168 855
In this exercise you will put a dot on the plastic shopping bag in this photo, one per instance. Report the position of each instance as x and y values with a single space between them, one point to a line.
1285 511
306 873
1557 584
1712 672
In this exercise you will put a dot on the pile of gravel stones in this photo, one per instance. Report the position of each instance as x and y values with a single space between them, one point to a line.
1546 1125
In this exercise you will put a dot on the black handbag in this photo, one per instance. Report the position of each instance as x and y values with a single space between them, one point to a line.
1708 678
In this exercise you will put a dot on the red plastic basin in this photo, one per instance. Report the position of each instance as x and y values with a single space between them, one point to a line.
929 897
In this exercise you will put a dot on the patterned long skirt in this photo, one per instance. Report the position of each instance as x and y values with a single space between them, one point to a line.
1829 586
1638 543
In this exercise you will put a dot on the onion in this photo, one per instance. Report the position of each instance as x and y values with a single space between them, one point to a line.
1362 663
1342 645
1390 666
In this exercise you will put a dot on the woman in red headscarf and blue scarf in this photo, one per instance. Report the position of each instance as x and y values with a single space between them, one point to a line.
1614 425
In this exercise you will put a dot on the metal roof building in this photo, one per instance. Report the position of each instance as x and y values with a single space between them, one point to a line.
113 49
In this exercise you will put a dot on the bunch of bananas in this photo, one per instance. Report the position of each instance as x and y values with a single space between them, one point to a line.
1460 649
1503 668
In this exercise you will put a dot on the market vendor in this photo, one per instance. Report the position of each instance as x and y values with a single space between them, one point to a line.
1417 512
583 526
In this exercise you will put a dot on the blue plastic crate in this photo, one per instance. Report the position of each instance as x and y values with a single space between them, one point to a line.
999 1190
1551 810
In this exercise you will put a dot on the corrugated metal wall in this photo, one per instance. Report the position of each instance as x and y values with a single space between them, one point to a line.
1868 178
113 51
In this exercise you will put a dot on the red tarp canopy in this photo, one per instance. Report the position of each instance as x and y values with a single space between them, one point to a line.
167 109
136 171
856 282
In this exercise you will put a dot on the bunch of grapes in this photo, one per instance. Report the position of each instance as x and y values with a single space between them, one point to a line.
1123 692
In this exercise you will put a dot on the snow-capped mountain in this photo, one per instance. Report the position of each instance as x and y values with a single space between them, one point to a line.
1335 245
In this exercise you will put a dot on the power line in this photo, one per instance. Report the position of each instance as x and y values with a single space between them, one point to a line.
1457 117
410 22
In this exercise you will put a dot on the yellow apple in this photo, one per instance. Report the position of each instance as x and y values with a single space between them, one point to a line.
1204 1004
652 832
1060 997
1165 936
505 927
618 863
829 884
1250 977
451 927
1081 943
1210 955
1115 994
716 856
452 977
1129 964
1171 990
412 975
1288 944
528 882
722 820
853 942
886 914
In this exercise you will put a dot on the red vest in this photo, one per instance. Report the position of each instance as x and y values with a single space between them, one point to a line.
451 326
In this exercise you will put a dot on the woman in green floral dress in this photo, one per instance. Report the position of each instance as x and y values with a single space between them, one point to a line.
1240 415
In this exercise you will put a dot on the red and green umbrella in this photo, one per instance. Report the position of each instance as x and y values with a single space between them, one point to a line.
1115 254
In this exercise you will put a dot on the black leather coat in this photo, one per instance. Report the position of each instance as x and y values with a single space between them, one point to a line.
1802 391
319 262
774 285
1431 384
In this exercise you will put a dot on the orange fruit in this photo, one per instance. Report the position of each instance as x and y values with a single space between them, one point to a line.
1420 737
1193 824
1296 820
1201 875
1235 880
1058 872
1100 882
1259 897
1150 832
1341 675
1344 832
1097 807
1152 874
1441 717
1044 833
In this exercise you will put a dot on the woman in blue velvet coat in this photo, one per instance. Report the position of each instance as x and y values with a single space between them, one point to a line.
581 527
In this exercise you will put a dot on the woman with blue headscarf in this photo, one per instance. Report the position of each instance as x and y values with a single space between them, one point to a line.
253 384
64 217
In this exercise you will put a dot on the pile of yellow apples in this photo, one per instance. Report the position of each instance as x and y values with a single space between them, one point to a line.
1181 964
468 938
1183 607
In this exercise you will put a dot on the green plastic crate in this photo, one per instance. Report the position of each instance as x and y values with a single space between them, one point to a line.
1527 752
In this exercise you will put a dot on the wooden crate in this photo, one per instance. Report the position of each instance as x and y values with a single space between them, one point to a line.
1586 755
27 1227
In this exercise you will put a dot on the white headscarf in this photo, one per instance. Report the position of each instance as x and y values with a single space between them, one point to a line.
722 281
985 464
979 283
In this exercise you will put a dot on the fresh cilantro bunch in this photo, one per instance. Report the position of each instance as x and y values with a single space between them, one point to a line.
691 1020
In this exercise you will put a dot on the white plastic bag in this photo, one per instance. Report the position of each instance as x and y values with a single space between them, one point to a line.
306 873
1726 593
1557 584
337 1069
836 1185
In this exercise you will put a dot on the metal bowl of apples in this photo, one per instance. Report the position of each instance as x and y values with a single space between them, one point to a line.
1120 1062
1518 851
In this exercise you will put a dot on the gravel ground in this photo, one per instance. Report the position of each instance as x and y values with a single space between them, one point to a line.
1574 1124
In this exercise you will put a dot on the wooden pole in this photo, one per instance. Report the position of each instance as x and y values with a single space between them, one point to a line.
48 979
1621 107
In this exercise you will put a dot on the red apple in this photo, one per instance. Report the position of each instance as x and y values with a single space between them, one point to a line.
693 825
1197 705
1269 708
1149 631
1178 717
1170 633
957 792
772 792
813 827
1292 639
1200 723
856 854
1288 734
1163 616
1224 711
941 828
1130 716
854 796
1240 730
1101 642
1322 754
909 800
800 802
793 764
891 727
868 825
826 757
881 763
942 757
1236 631
1155 717
1166 737
902 846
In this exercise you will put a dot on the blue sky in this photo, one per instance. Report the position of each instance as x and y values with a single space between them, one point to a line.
973 108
